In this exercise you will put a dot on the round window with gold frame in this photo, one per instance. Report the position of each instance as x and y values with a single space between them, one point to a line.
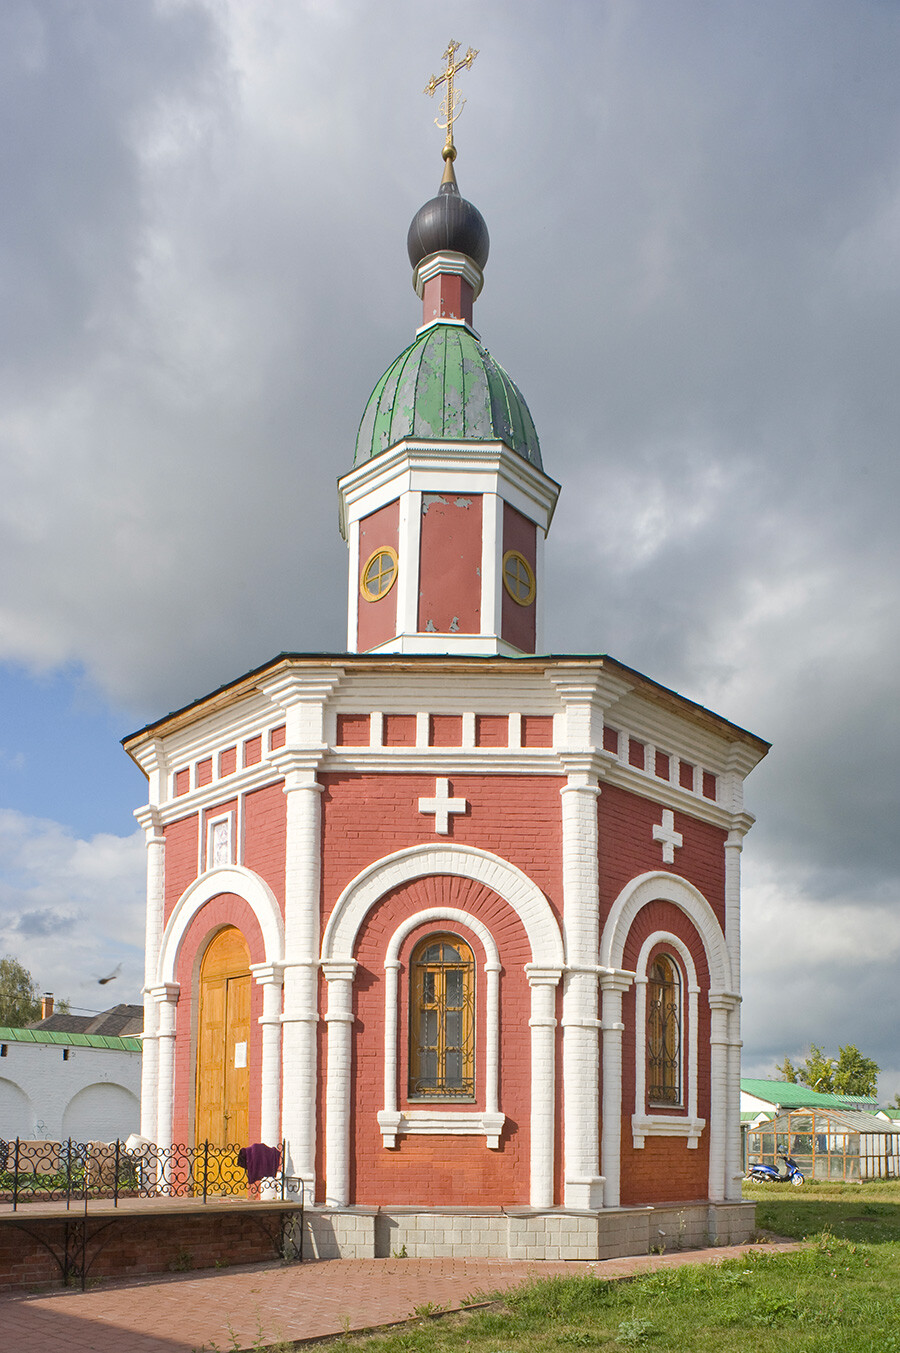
379 573
518 578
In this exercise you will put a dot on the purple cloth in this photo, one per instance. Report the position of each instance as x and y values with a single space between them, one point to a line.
260 1162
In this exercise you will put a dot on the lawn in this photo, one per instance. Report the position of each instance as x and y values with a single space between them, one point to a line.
839 1295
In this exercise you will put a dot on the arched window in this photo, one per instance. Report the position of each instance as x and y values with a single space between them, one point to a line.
442 1020
664 1032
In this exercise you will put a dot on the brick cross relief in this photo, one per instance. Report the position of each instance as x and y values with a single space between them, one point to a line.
669 838
442 806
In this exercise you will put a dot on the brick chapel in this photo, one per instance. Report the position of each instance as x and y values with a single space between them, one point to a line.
455 920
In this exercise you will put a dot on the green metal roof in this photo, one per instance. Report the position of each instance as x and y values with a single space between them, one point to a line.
65 1040
792 1095
446 386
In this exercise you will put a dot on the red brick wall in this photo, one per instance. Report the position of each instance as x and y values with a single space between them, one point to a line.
365 817
627 849
181 858
518 622
445 730
139 1245
399 730
378 619
537 730
491 730
352 730
265 831
450 563
446 1170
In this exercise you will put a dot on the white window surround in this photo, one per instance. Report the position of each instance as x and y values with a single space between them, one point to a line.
220 841
687 1123
487 1122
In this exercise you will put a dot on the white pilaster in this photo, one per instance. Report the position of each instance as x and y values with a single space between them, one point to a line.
720 1006
613 985
339 974
270 976
733 1162
166 997
543 983
353 589
491 570
303 695
581 1133
156 895
410 531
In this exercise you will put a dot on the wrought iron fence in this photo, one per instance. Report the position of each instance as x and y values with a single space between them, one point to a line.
80 1172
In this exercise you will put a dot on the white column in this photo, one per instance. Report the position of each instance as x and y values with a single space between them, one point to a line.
543 983
581 1051
339 975
491 564
409 533
270 976
166 997
389 1118
301 944
733 1162
613 984
720 1007
156 892
303 694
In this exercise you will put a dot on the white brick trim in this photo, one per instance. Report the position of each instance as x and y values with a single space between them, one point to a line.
238 880
660 886
515 887
489 1122
644 1124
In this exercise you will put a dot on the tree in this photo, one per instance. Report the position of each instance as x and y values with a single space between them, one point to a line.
850 1074
787 1071
19 999
855 1074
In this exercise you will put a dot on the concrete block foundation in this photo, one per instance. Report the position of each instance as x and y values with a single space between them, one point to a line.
523 1233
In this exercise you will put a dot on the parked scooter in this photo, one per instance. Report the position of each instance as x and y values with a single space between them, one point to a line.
767 1174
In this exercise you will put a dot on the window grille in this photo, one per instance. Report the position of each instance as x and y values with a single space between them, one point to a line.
664 1033
442 1020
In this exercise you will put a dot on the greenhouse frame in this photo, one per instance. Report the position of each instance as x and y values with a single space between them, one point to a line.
827 1144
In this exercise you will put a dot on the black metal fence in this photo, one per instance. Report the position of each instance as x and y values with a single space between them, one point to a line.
77 1173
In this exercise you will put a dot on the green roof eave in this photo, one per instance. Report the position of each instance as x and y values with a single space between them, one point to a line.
54 1038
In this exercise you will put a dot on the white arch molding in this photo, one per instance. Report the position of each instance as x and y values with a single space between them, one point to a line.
724 998
659 886
256 893
516 889
338 963
243 883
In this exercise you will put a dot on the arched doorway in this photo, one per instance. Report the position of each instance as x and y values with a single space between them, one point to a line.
223 1073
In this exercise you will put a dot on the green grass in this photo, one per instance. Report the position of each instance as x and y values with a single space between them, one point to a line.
839 1295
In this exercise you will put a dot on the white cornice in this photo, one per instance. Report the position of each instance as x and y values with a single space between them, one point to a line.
449 263
490 467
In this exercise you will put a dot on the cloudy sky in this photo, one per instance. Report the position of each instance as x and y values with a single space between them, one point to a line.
694 278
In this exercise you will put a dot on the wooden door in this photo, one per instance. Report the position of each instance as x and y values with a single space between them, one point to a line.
223 1045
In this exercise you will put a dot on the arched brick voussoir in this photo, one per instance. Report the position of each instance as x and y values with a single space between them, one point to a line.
232 879
657 886
516 888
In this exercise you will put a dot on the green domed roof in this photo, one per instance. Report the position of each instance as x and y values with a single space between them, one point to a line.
446 386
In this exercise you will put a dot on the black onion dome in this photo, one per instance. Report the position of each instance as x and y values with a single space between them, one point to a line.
448 223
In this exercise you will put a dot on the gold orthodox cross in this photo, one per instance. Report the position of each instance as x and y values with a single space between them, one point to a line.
452 102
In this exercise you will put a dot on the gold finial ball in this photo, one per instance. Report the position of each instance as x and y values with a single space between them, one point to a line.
449 152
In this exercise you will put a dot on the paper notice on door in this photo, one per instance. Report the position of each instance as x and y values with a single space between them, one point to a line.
240 1054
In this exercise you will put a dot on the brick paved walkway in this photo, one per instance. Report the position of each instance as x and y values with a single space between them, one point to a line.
297 1301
